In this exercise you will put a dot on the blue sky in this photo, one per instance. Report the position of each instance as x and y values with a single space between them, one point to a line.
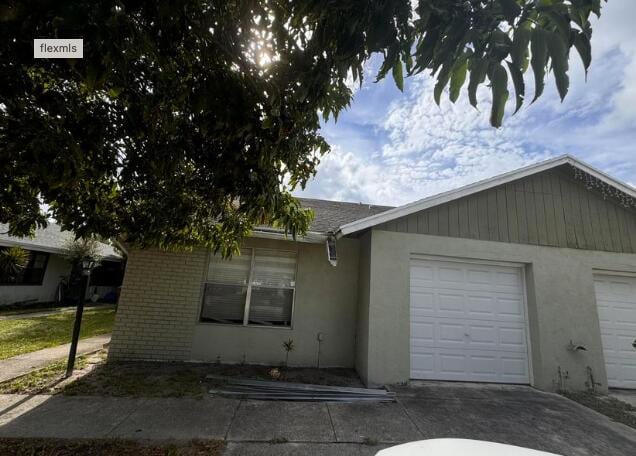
392 147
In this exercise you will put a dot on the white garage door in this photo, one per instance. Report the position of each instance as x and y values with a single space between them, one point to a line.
616 301
468 322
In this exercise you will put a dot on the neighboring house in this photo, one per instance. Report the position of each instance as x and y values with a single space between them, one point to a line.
47 267
528 278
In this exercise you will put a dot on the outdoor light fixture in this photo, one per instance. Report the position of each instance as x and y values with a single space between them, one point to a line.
88 264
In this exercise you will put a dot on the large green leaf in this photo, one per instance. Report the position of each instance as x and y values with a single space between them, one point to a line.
539 60
519 51
398 77
510 9
442 80
559 55
477 76
520 88
499 86
583 47
458 77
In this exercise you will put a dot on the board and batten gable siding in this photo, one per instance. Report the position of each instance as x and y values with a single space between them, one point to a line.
548 209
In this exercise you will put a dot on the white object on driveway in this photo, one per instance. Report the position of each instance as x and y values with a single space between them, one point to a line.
458 447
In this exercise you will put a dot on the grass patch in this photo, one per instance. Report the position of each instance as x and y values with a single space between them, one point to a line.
103 447
25 335
41 381
611 407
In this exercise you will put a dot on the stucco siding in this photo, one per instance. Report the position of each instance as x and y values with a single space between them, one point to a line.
158 314
56 268
362 324
325 303
560 298
549 209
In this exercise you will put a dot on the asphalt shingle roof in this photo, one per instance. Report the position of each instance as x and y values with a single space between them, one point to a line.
330 215
50 239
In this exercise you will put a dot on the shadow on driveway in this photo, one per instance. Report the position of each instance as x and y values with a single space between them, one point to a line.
519 416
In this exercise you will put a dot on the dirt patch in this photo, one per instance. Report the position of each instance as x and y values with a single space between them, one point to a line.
328 376
63 447
95 377
619 411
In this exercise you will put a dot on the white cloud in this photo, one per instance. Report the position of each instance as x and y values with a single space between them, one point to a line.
393 148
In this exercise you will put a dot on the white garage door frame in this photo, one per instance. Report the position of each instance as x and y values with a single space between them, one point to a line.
469 260
608 272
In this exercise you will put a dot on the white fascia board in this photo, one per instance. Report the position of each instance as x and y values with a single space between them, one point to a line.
311 237
470 189
622 186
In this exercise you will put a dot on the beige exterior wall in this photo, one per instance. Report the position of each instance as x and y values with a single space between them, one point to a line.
158 316
561 304
362 315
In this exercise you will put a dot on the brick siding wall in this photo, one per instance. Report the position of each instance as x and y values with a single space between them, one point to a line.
158 306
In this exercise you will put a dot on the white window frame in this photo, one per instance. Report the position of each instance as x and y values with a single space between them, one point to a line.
248 297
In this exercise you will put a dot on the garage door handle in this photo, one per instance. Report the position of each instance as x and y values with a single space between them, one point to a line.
634 344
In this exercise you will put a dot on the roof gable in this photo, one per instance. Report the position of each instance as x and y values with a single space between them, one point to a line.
591 176
552 208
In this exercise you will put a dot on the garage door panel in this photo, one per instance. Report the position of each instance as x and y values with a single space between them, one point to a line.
467 322
513 338
481 306
423 332
448 364
477 305
469 335
510 306
616 303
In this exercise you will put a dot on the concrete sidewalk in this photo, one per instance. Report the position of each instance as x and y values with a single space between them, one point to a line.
513 415
11 368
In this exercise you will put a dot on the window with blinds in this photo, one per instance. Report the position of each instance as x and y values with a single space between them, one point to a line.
254 288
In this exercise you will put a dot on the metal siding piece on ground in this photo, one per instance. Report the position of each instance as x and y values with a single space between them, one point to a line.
271 390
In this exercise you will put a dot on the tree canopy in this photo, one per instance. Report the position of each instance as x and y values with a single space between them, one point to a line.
190 122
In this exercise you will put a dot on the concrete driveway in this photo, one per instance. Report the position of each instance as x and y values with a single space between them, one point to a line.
514 415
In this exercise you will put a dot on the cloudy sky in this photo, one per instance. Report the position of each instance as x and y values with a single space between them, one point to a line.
392 147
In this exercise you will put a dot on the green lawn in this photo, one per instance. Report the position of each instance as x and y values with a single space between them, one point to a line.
30 334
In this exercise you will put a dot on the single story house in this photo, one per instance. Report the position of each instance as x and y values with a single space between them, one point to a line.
38 282
525 278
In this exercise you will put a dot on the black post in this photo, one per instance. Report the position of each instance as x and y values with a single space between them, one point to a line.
78 322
